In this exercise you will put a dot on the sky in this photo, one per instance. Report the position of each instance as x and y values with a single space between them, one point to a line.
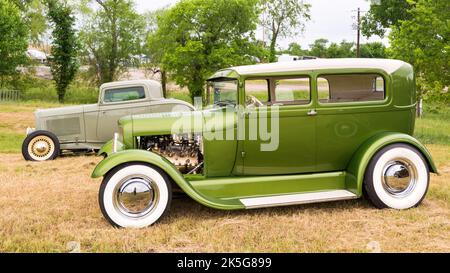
330 19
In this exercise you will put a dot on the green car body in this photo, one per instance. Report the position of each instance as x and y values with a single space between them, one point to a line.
322 147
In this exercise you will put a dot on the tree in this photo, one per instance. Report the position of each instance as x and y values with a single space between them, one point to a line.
154 48
13 39
65 46
112 34
296 50
33 15
373 50
383 14
319 48
202 36
342 50
424 42
283 18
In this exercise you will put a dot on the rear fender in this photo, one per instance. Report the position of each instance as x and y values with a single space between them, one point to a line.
361 159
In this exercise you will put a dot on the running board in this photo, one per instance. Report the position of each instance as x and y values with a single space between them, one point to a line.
297 199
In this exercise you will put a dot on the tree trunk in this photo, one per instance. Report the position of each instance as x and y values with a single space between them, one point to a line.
164 82
273 52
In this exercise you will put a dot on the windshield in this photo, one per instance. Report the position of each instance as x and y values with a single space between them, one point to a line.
223 92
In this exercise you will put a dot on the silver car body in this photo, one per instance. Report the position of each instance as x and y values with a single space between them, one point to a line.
90 126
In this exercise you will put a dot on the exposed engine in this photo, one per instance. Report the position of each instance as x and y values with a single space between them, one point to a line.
184 151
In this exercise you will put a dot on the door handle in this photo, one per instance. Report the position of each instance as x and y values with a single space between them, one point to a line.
312 113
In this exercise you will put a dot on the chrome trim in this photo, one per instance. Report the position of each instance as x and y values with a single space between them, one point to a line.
115 139
297 199
30 130
135 196
399 177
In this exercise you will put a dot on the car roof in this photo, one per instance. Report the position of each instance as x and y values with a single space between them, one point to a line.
151 83
387 65
154 87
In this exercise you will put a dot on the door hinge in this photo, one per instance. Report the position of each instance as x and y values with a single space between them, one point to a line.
243 154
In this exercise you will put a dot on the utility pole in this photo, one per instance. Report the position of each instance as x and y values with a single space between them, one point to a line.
358 42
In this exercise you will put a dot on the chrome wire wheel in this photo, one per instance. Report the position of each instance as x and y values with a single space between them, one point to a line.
136 196
41 148
399 177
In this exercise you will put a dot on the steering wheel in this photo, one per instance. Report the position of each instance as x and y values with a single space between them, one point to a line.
253 101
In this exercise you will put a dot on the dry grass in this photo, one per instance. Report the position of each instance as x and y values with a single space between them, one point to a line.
44 206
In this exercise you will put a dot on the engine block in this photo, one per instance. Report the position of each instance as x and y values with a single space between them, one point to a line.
183 151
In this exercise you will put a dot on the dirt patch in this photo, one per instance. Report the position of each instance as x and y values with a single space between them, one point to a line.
16 122
47 205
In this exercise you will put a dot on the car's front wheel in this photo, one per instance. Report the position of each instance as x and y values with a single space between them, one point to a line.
40 146
397 177
135 196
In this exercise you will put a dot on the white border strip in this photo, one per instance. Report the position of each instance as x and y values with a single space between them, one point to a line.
296 199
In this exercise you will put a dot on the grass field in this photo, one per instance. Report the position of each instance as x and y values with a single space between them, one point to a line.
47 206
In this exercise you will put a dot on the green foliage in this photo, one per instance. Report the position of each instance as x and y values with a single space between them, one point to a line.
343 50
295 50
322 48
319 48
424 42
283 18
383 14
13 39
434 127
33 14
373 50
199 37
65 46
154 47
111 35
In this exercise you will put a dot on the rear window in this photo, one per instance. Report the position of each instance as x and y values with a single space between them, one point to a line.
124 94
351 88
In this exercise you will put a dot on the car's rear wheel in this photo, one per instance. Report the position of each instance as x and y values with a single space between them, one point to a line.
135 196
397 177
40 146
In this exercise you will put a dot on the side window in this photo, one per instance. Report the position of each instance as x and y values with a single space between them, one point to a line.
351 88
292 91
259 89
124 94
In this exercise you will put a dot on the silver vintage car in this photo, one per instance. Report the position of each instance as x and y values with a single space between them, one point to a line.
88 127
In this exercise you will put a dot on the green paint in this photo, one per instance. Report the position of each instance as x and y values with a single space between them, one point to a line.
316 153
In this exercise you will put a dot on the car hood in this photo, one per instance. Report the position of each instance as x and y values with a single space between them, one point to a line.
62 111
181 122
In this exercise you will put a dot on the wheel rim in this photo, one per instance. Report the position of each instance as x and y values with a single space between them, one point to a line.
41 148
399 178
136 196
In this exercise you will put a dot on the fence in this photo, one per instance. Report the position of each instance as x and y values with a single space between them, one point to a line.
9 95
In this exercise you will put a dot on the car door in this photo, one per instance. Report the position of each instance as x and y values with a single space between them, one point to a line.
352 108
285 107
117 103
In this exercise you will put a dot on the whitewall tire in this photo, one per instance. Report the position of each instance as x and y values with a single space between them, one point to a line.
40 146
397 177
135 196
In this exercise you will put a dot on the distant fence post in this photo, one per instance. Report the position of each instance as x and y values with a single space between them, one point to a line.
9 95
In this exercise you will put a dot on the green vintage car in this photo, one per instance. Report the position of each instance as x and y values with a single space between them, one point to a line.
274 135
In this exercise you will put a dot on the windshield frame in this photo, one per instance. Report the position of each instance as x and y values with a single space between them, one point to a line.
210 96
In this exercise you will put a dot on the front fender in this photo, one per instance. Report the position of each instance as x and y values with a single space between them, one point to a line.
108 148
361 159
141 156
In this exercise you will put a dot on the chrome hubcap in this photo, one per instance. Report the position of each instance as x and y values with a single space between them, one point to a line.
136 196
399 178
41 148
